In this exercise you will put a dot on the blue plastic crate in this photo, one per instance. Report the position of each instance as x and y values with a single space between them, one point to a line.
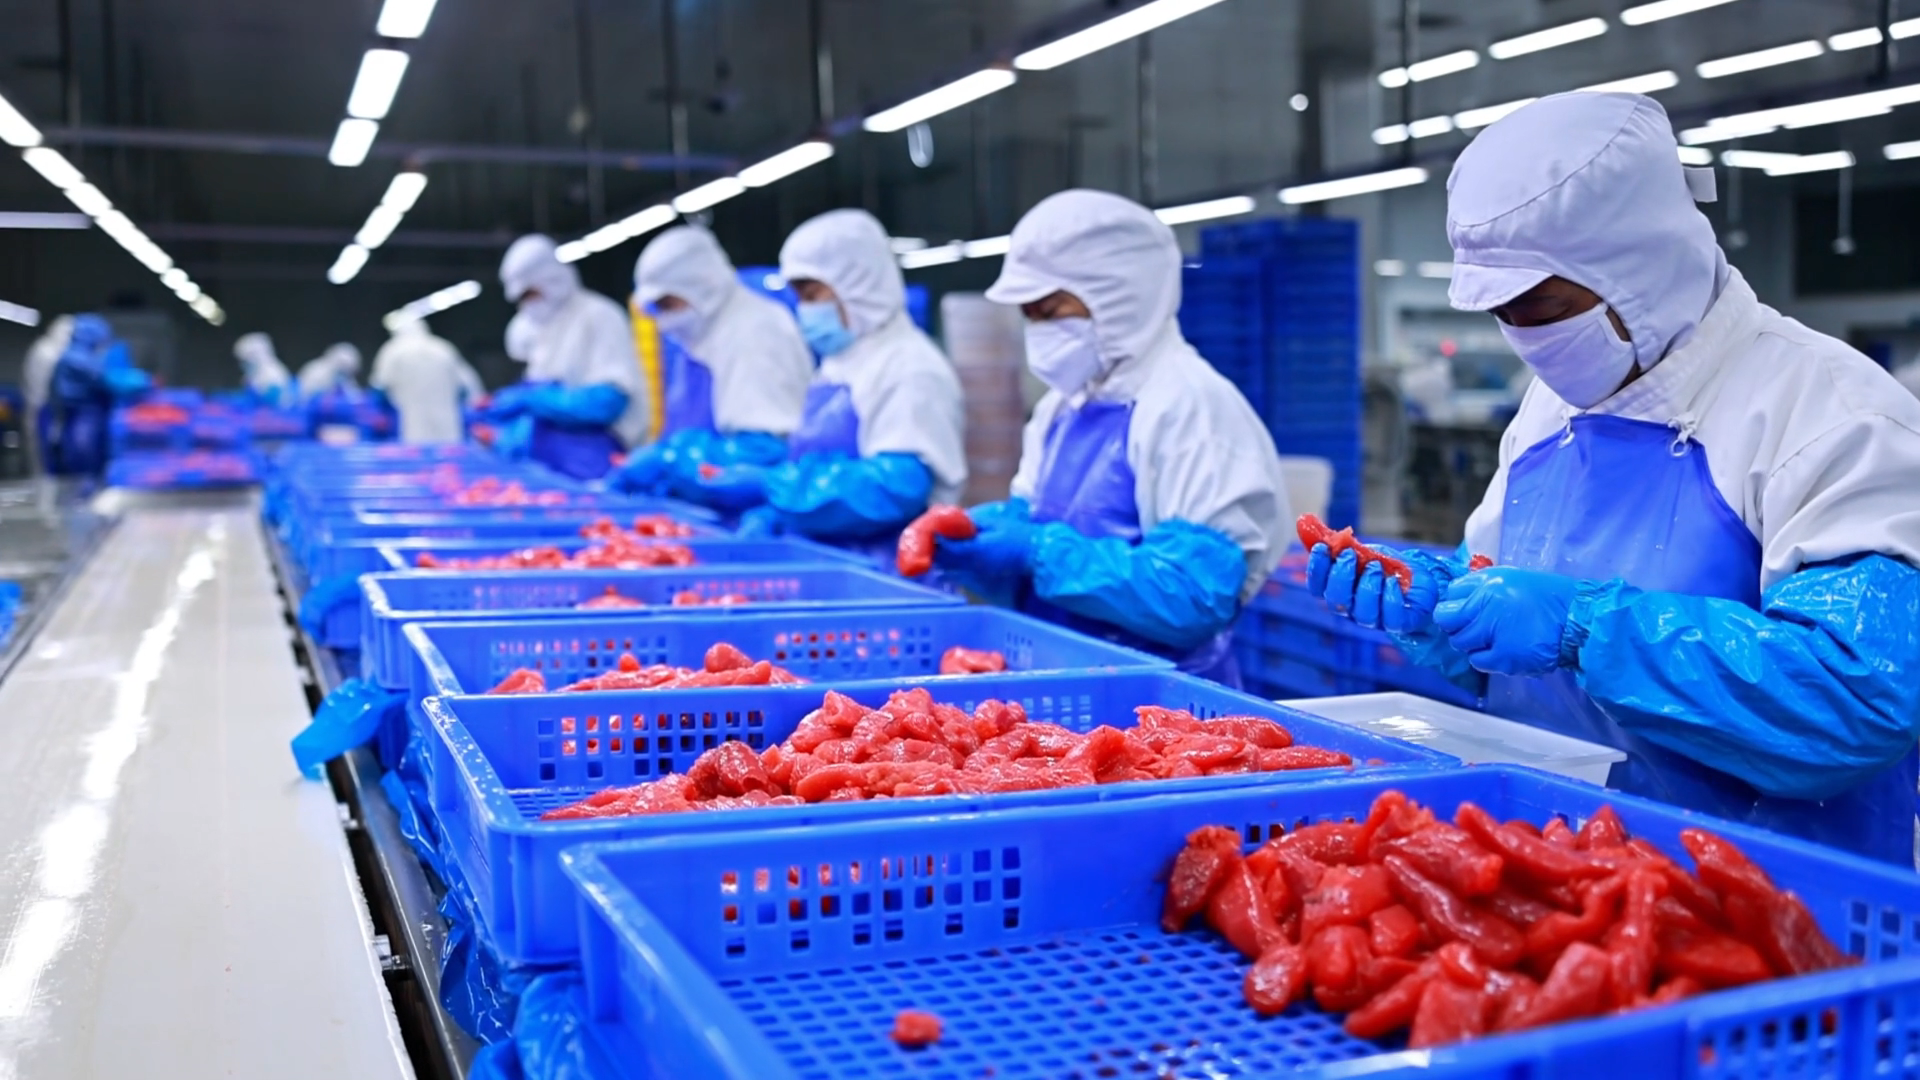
1034 934
390 601
497 763
173 471
465 523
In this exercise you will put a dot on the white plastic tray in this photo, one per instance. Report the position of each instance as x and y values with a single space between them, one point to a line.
1475 738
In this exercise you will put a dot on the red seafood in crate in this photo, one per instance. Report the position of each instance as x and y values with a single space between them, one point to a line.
961 660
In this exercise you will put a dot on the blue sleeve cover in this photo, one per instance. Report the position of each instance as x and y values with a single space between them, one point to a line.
1804 698
1179 586
831 496
595 406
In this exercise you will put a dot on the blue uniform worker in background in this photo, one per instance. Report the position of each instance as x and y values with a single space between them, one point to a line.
1149 501
736 373
880 437
583 400
94 374
1706 518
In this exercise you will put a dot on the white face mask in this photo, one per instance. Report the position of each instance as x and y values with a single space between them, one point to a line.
682 325
1064 353
540 308
1582 359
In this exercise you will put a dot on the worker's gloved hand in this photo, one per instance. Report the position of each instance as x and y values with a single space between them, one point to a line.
759 523
510 402
593 406
645 472
1374 598
1001 551
730 487
127 383
513 440
1509 621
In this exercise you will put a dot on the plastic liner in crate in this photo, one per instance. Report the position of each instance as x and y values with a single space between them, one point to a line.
390 601
181 471
494 764
1034 935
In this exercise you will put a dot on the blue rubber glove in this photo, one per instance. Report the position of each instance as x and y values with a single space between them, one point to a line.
595 406
759 523
510 403
835 497
513 440
734 487
1371 597
646 472
1509 621
127 383
999 557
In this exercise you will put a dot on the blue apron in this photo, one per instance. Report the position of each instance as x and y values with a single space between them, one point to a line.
1087 482
581 454
689 392
829 425
1609 497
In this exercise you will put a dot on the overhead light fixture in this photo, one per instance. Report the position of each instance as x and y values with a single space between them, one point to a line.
88 199
933 256
352 259
1666 9
786 163
19 313
1086 42
25 219
1389 268
377 83
404 18
1695 155
1811 114
1345 187
1651 83
572 251
433 303
1756 159
1448 64
1550 38
404 191
1419 129
1231 206
1472 119
380 225
1441 270
615 233
1901 151
1764 58
175 279
15 129
934 102
988 248
351 141
1870 36
1777 164
54 166
900 245
711 193
653 217
208 310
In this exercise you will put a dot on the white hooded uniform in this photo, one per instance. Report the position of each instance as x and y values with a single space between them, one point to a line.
1198 451
1813 445
37 378
759 362
264 373
904 389
340 364
582 338
426 379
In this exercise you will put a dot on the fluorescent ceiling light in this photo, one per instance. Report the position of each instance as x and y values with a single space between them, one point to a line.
15 129
786 163
1353 185
933 256
1695 155
454 295
53 165
988 248
1666 9
1756 159
1231 206
378 81
711 193
380 225
23 219
19 313
1434 270
1811 114
1550 38
571 252
345 268
1419 129
351 141
175 279
208 310
1395 78
934 102
1111 32
605 237
404 191
1389 268
1775 164
1391 134
1901 151
900 245
404 18
1487 114
1651 83
189 292
653 217
1860 39
1764 58
88 199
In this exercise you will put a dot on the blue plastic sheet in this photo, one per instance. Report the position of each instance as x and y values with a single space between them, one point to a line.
550 1039
349 716
409 801
325 597
479 991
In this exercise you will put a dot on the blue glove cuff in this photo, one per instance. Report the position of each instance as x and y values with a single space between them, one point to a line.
1574 634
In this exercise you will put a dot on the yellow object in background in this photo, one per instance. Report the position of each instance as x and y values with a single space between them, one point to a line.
646 341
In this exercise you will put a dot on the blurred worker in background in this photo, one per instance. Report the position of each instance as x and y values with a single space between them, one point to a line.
335 369
880 434
427 381
37 382
265 375
94 373
736 378
583 400
1705 525
1149 503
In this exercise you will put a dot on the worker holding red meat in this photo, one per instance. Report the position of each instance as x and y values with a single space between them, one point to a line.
1149 503
1706 518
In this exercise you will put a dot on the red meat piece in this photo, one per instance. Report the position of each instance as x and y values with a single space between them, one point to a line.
961 660
915 554
912 1028
1314 531
521 681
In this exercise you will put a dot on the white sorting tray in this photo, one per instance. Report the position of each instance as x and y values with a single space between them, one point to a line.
1475 738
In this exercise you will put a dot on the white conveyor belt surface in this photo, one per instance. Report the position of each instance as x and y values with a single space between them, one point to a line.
176 900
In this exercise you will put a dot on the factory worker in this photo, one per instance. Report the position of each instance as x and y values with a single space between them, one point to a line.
94 374
1706 518
335 369
583 399
737 372
265 375
880 435
37 382
427 381
1149 502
